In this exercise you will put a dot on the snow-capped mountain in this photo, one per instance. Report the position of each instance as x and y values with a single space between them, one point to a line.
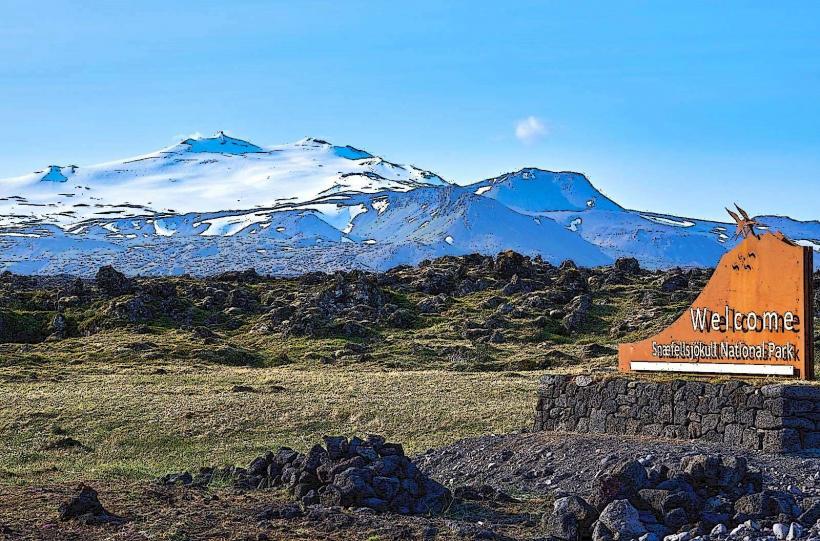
657 240
209 204
201 175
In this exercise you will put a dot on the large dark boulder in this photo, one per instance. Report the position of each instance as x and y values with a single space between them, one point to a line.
355 485
627 265
655 499
607 488
682 494
112 282
400 318
435 499
702 469
516 285
623 480
241 298
811 515
571 519
386 488
509 263
674 281
85 507
159 288
432 305
577 312
336 446
435 280
769 503
623 520
572 281
134 309
632 472
247 276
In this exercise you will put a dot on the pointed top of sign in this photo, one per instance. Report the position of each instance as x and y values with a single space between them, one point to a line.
745 224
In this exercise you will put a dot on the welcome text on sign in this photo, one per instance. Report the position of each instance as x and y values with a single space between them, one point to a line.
705 320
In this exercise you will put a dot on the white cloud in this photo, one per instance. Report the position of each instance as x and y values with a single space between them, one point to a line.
530 130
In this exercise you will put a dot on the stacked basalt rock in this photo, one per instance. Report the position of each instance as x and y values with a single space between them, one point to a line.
344 472
705 494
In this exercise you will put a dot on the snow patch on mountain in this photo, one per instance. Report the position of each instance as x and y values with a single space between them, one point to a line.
164 230
665 220
227 226
813 244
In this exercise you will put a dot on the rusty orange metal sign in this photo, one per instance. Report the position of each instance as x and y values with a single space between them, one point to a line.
754 317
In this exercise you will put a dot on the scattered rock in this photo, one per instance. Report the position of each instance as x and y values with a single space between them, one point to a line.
577 312
796 531
432 305
289 511
719 530
780 530
86 508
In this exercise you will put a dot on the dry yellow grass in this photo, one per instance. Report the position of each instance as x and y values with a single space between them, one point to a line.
137 424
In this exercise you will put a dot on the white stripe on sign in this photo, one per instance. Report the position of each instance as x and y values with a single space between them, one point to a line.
715 368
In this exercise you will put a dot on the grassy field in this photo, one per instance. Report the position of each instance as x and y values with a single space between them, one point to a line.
113 398
106 421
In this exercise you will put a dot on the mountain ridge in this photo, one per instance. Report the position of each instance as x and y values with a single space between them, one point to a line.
339 205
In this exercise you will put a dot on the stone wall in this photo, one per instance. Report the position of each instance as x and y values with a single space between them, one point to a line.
773 418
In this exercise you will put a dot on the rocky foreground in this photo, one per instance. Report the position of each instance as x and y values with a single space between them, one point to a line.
472 313
520 486
653 488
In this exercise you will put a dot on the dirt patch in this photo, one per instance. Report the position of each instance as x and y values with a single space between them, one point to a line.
534 468
178 513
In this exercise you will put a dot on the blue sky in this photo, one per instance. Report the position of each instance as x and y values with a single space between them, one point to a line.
681 107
